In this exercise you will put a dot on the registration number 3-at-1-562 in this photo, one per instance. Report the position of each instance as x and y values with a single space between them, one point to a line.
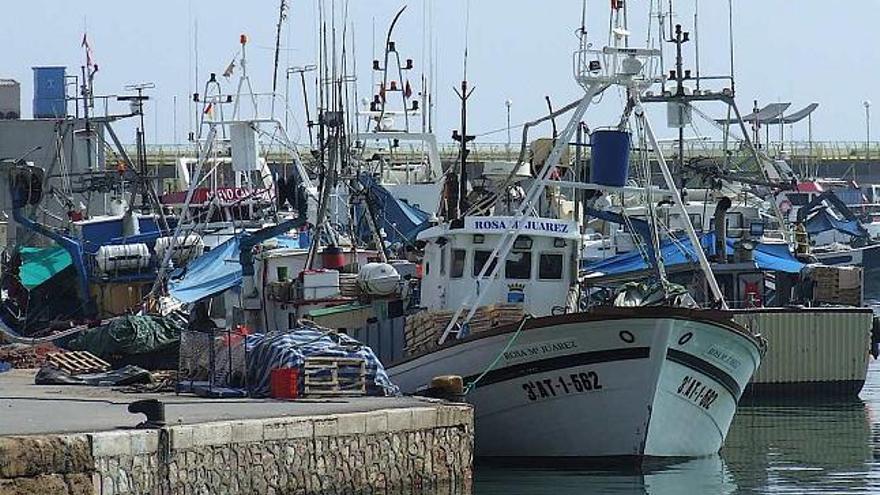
560 385
697 392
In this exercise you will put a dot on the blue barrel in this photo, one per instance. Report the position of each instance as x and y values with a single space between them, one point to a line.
49 93
609 163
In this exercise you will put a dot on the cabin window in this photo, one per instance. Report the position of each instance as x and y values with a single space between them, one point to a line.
550 266
458 257
480 259
735 224
518 265
443 260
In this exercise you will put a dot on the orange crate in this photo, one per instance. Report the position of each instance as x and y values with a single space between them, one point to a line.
284 383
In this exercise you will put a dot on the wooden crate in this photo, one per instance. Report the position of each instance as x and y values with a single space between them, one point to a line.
334 376
424 328
77 362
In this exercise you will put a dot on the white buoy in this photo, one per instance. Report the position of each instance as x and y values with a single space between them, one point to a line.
378 279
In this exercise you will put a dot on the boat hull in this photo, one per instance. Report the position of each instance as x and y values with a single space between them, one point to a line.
623 383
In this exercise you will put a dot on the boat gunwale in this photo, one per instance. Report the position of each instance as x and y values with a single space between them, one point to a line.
713 316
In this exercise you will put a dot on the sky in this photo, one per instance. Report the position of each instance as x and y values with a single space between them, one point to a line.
800 51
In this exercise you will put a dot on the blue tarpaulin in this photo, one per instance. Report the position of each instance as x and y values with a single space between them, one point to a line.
219 269
822 222
401 221
213 272
767 257
266 352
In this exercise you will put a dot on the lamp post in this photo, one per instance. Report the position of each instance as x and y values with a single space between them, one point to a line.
508 103
867 104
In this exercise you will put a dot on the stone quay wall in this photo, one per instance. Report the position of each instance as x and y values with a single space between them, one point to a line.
408 450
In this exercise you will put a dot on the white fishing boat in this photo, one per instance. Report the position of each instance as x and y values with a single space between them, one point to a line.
634 381
610 382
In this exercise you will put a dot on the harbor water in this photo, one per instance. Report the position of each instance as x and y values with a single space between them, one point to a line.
773 447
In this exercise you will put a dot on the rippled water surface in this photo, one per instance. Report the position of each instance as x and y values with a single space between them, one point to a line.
771 448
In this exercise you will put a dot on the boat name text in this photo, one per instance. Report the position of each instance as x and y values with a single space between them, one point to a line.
540 350
534 225
724 356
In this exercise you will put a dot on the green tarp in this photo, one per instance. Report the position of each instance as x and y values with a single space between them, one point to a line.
40 264
129 335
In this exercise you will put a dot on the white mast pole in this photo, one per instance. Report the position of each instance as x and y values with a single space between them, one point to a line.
676 198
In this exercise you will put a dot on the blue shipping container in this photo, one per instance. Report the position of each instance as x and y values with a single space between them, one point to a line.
49 93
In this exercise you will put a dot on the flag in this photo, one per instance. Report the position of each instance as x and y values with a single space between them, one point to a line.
90 57
209 109
407 91
230 69
382 92
616 4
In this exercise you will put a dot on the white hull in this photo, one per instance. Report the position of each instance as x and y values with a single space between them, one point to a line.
625 382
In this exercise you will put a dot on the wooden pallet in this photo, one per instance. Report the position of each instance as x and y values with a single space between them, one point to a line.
77 362
331 376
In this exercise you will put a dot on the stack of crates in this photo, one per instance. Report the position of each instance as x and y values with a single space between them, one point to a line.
838 285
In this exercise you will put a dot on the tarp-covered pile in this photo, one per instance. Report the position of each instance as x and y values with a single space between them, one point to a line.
266 352
822 221
130 335
775 257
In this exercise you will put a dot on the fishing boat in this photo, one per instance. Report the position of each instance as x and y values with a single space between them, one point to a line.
567 380
608 382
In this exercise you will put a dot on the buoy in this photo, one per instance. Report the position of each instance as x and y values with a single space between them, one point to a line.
332 258
378 279
447 387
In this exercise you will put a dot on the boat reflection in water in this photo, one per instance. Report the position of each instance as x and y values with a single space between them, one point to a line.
801 447
804 447
691 476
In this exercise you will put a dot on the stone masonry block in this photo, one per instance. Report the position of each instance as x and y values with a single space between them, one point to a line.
182 437
377 422
29 456
399 419
326 426
353 424
247 431
274 430
212 434
424 418
301 428
111 443
144 442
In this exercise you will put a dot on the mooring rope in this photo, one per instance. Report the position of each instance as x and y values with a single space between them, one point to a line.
473 384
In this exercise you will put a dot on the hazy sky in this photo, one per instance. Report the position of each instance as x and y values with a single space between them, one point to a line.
791 50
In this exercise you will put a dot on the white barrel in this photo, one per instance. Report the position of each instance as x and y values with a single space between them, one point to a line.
378 279
184 248
122 258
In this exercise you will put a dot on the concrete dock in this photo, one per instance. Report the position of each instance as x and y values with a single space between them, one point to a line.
82 440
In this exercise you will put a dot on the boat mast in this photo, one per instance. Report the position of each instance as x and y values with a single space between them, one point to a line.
282 16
